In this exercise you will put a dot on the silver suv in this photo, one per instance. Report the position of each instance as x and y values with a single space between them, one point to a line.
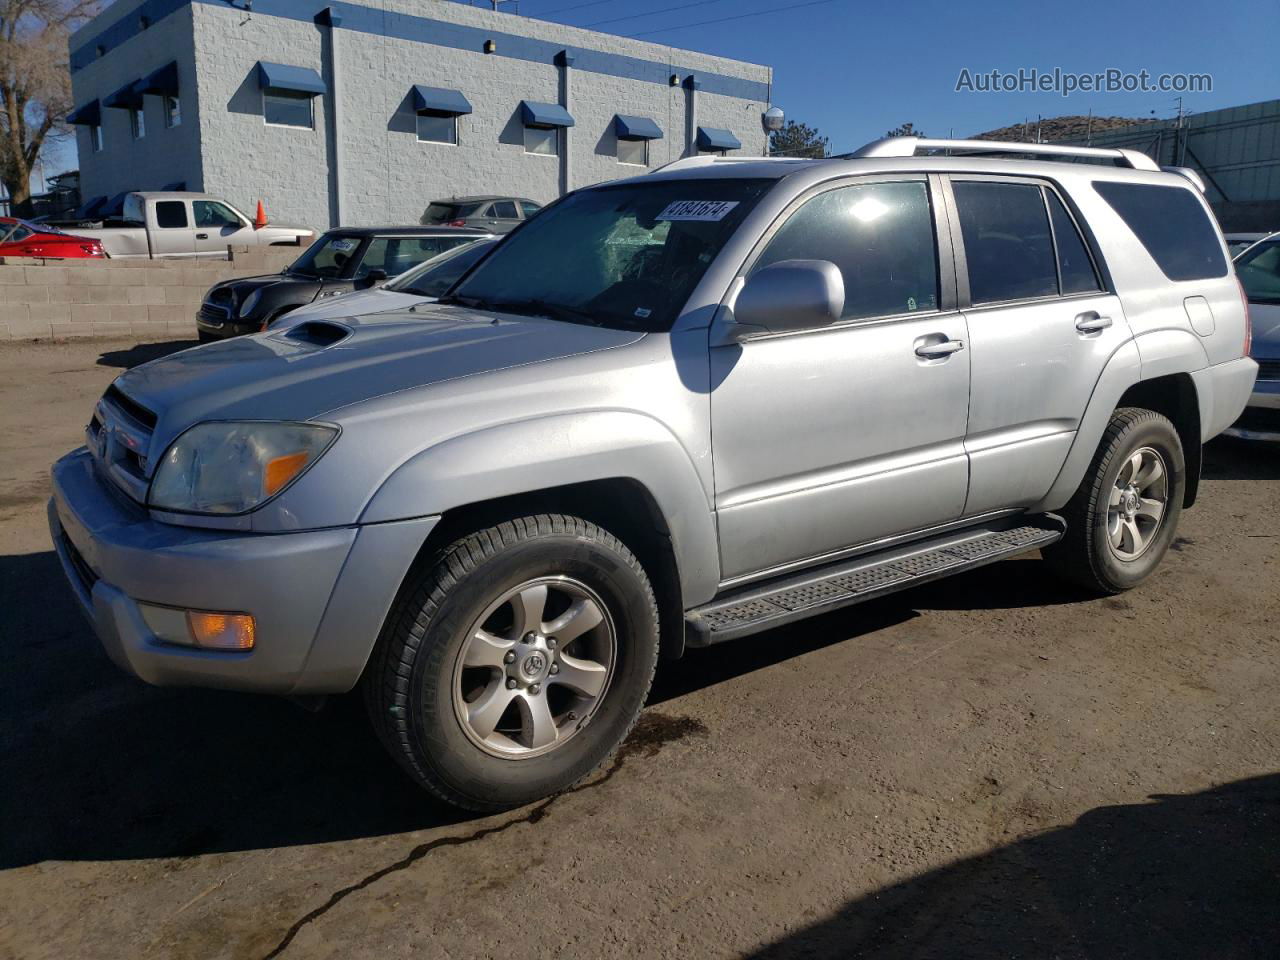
667 412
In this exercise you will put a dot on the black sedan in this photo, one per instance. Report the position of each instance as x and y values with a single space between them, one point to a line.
342 260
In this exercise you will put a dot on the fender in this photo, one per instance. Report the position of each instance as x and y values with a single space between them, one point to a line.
529 455
1145 357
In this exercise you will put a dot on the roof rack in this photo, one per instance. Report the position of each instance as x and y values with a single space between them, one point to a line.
910 146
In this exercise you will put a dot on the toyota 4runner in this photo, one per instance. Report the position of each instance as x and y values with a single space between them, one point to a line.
668 411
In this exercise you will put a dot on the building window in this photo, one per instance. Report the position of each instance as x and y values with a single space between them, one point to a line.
172 111
285 108
138 123
633 151
544 141
437 127
95 137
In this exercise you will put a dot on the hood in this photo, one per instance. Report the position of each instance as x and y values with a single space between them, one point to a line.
1265 318
317 367
236 290
356 304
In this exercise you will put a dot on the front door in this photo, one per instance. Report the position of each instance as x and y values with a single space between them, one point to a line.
830 438
217 227
1041 330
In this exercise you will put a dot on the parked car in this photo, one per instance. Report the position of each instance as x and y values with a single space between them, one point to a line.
425 283
22 238
1259 271
494 214
342 260
1237 243
182 224
671 410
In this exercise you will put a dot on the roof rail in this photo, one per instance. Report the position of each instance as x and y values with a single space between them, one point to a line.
706 159
909 146
1196 180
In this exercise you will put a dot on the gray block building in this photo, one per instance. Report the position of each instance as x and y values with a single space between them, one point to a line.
363 112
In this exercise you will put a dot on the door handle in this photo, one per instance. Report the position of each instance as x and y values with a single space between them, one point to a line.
1092 322
202 236
937 350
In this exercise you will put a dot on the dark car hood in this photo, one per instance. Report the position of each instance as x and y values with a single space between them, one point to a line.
1265 318
300 288
298 375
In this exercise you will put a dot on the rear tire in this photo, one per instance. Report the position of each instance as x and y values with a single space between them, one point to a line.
539 620
1123 517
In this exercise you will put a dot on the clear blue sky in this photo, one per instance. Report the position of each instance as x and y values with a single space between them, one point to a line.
855 68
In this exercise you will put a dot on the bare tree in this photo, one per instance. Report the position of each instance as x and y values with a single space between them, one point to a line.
35 85
906 130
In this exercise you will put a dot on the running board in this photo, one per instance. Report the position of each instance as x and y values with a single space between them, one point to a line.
758 607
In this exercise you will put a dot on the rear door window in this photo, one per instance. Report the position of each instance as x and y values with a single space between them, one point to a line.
1008 248
505 210
880 236
529 208
1171 224
1075 267
171 214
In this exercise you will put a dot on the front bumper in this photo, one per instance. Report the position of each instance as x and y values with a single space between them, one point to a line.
319 597
1261 418
226 328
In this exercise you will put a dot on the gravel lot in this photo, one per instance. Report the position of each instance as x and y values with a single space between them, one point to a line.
996 766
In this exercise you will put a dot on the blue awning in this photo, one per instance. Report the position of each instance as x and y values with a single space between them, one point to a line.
440 99
114 206
544 114
126 98
713 138
636 128
163 82
279 76
89 208
90 115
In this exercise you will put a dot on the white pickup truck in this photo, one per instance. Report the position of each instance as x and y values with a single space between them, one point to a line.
184 224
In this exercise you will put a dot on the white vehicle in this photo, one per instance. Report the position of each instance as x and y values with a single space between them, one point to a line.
425 283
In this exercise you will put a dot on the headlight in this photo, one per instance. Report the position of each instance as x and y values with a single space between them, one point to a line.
234 467
250 302
323 294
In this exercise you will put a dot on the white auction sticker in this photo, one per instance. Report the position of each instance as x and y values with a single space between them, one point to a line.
706 210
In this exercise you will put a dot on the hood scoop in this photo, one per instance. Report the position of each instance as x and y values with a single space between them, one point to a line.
318 333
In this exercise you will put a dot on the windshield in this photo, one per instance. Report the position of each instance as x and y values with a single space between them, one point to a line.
1259 273
444 212
327 257
433 278
626 255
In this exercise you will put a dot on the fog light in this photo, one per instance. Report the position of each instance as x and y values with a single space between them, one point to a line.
221 631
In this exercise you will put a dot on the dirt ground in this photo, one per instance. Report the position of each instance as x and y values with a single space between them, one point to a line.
996 766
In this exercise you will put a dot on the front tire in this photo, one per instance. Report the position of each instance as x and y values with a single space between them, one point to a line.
516 662
1123 517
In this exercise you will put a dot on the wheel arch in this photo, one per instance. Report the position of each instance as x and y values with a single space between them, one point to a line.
1174 396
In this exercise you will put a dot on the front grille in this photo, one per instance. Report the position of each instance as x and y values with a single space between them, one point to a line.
83 571
119 438
1269 369
213 314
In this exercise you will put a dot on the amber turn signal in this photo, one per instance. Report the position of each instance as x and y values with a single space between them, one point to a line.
281 470
221 631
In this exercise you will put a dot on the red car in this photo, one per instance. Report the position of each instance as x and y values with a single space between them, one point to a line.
18 238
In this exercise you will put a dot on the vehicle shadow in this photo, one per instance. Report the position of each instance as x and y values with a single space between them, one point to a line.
1191 875
1226 458
143 352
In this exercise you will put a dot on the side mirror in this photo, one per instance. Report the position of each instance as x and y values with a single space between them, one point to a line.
789 295
371 279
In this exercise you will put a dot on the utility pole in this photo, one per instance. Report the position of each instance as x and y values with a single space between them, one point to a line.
1088 130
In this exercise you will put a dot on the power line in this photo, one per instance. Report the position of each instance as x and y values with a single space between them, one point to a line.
650 13
576 6
740 16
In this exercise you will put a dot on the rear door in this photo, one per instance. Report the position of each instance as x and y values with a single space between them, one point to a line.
169 228
1042 327
503 216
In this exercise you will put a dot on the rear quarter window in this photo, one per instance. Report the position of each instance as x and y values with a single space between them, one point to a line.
1171 224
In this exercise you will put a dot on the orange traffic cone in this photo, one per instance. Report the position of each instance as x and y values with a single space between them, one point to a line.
260 220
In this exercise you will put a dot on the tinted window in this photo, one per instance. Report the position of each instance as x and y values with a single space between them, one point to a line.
505 210
1259 273
437 127
1172 225
529 208
1007 245
210 213
880 235
171 213
327 257
395 255
19 234
625 255
1073 257
436 276
448 212
287 109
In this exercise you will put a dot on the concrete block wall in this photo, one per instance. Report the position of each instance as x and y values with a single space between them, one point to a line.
147 299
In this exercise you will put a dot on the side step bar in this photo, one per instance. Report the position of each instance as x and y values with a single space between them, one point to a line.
758 607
